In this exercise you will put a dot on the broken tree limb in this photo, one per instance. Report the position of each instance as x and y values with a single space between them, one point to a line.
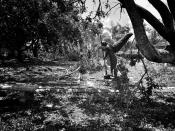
70 73
120 43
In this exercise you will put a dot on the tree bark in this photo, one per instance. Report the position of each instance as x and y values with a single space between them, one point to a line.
164 13
171 5
152 20
167 33
120 43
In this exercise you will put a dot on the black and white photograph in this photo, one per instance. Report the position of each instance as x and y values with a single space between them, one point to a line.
87 65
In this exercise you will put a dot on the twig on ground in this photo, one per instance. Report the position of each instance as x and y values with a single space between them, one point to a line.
70 73
145 69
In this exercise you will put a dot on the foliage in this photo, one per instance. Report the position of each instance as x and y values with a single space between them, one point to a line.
118 31
30 25
147 91
89 50
161 73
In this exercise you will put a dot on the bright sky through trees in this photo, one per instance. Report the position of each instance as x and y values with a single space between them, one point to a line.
115 15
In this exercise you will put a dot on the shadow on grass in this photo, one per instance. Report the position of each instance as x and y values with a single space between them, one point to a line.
154 114
37 62
15 105
110 111
89 111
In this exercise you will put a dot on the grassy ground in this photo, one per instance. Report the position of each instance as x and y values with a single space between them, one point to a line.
89 105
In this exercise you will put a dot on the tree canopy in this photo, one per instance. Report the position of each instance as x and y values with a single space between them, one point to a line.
34 24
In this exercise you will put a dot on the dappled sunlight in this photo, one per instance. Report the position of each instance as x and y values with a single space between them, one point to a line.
68 66
92 103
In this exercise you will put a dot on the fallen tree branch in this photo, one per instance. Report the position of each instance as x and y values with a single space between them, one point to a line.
120 43
68 74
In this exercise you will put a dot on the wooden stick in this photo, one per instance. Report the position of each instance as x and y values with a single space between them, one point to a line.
68 74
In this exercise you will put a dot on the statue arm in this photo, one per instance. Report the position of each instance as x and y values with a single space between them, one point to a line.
120 43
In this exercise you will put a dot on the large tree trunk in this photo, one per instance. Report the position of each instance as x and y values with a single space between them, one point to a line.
171 5
164 29
145 47
164 13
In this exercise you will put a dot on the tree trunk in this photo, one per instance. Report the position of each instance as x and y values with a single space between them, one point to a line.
171 5
145 47
164 13
167 32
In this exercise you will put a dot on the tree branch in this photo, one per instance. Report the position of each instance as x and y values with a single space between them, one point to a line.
171 5
167 34
140 34
145 47
112 8
164 13
99 9
146 72
120 43
152 20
